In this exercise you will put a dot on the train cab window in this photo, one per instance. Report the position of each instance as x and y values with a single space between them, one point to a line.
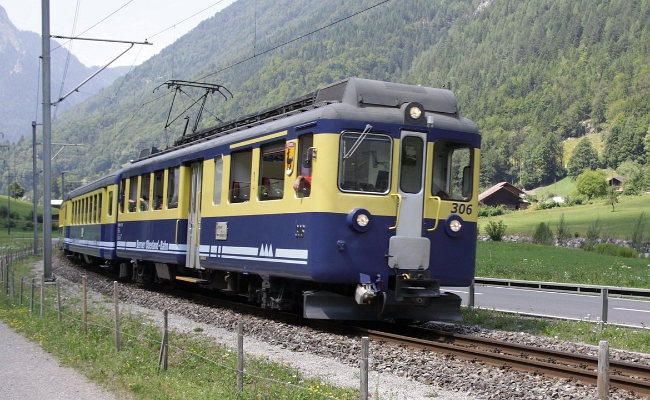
411 162
271 183
158 181
305 159
174 177
452 171
364 164
240 176
145 191
218 180
133 193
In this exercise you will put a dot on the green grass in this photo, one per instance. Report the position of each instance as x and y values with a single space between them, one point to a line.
637 340
616 224
554 264
199 368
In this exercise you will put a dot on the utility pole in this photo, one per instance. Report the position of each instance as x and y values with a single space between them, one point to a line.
47 129
35 186
47 142
8 196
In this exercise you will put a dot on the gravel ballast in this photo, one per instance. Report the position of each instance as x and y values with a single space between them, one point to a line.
396 372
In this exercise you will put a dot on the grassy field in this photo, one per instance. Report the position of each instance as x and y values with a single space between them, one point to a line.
199 368
533 262
617 224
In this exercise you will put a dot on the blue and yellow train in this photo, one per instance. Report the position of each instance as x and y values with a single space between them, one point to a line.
355 202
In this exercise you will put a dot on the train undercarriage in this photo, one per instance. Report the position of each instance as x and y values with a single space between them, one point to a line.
406 297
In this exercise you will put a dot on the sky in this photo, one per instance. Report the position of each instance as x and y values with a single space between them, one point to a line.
160 22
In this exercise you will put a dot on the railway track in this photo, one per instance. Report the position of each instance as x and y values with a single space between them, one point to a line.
623 375
628 376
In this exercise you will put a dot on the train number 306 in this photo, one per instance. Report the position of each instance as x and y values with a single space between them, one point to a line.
461 208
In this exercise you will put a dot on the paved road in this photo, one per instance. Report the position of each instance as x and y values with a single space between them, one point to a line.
29 373
557 304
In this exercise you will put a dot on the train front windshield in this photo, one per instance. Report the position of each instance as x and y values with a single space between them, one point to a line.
365 163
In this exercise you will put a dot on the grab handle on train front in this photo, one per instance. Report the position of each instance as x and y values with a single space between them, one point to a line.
399 209
435 226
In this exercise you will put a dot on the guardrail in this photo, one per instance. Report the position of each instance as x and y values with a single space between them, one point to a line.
604 291
569 287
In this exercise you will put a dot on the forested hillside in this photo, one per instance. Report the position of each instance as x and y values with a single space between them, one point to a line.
529 72
20 75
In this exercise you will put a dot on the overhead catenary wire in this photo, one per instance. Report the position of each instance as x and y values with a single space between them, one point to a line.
294 39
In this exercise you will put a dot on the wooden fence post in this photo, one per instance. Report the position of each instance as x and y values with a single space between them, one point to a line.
84 304
164 349
31 297
42 295
117 316
603 370
58 299
363 373
240 356
22 278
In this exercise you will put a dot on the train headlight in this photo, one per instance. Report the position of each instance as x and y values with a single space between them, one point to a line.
363 220
454 225
414 114
359 220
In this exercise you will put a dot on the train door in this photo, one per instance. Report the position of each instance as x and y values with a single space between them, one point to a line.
408 249
411 183
192 259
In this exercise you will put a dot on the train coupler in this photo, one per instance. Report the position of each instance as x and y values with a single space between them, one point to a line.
417 287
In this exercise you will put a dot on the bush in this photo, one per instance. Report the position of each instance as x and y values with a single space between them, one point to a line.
496 230
563 233
593 232
490 211
637 234
543 234
611 249
626 252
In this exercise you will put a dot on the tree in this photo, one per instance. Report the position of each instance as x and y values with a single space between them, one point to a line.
591 184
612 196
16 190
584 156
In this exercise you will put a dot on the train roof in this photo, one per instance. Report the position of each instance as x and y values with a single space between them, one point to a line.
357 92
111 178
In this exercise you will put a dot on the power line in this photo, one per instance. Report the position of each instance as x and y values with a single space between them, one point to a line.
180 22
293 40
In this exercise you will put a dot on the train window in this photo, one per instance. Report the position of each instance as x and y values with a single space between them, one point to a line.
145 191
158 181
411 161
173 176
133 193
110 203
452 171
121 197
240 176
305 159
99 207
271 184
93 209
365 162
218 180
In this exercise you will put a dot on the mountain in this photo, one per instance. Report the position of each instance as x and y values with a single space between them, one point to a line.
21 74
531 73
